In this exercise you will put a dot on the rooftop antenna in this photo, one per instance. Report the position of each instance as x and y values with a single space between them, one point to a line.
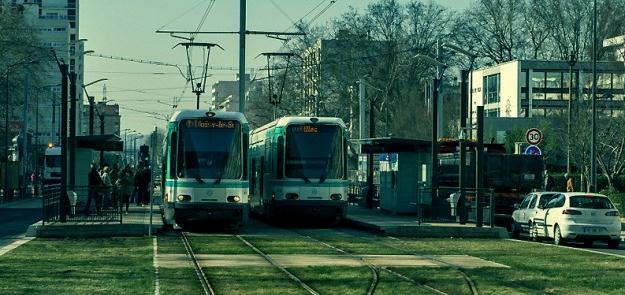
198 84
274 98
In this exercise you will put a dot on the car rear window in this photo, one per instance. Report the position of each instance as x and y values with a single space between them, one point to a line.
590 202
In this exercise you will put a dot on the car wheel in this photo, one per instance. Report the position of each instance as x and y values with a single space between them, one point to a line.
613 244
516 231
587 243
534 232
557 236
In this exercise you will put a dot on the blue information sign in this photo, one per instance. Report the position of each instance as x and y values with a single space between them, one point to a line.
533 150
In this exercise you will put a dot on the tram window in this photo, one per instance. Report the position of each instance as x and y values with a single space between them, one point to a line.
345 158
172 155
245 145
314 151
280 158
253 176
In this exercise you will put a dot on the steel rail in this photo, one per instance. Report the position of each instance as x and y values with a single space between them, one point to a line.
284 270
206 286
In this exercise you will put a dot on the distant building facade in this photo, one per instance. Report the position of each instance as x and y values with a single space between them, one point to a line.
225 95
103 113
57 25
540 89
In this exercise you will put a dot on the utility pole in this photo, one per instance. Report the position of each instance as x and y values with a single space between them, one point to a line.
24 150
462 212
64 205
593 146
72 131
569 114
479 169
242 30
361 112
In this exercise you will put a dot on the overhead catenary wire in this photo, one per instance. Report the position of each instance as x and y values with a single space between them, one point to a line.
183 14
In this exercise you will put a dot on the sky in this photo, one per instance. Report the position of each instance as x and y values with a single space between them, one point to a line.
126 29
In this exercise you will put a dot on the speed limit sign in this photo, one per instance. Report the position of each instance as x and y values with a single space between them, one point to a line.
534 136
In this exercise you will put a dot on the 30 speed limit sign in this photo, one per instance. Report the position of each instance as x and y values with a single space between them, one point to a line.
534 136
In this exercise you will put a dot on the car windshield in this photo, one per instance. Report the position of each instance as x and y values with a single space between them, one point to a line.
590 202
544 199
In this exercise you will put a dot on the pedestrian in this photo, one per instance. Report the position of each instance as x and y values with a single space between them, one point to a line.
95 184
569 182
107 185
125 184
138 185
146 179
548 182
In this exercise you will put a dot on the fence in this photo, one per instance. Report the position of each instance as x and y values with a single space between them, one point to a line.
84 204
441 204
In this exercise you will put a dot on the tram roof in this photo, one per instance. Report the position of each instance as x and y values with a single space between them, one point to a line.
195 114
302 120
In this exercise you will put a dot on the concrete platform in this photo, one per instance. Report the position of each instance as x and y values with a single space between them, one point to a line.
135 223
407 225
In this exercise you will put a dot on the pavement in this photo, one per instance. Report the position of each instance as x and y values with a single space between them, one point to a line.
135 223
383 222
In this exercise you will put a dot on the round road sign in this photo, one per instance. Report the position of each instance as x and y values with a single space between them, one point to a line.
534 136
533 150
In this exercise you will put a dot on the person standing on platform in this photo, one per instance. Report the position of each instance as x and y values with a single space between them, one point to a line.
146 178
95 184
569 182
125 185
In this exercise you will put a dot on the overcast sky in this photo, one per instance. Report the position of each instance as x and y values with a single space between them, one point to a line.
126 29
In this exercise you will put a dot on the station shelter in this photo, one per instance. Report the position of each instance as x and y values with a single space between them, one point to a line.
404 166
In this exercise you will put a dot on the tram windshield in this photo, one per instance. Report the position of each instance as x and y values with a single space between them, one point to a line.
314 151
209 149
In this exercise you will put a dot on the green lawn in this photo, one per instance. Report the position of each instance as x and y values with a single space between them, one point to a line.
79 266
124 266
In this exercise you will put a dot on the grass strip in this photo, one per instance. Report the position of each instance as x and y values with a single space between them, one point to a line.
79 266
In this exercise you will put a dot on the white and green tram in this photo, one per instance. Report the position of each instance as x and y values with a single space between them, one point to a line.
204 169
298 168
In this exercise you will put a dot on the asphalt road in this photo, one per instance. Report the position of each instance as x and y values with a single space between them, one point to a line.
15 217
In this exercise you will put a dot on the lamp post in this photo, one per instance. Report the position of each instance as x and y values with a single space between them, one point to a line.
464 98
572 60
434 138
593 145
91 102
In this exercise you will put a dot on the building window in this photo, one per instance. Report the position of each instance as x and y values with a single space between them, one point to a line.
492 113
72 25
72 37
491 88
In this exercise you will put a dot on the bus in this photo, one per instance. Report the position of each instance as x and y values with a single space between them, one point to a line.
298 167
52 165
204 170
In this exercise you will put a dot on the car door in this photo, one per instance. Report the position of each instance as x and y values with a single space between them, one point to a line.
553 214
517 215
529 212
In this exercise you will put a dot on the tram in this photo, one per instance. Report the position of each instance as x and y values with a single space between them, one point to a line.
204 169
298 167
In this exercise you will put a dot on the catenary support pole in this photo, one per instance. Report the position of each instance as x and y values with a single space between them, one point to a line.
242 29
463 213
71 157
479 168
64 202
593 145
23 151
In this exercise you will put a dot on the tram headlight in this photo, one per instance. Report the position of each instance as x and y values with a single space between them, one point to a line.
183 198
234 199
336 197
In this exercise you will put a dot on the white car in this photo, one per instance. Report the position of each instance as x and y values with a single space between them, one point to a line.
523 215
581 217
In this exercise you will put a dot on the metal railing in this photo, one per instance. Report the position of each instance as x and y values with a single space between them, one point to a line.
85 204
441 204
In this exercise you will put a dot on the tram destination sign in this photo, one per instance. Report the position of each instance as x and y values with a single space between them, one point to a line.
209 124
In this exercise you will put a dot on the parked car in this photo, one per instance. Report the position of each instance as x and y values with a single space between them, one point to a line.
523 215
581 217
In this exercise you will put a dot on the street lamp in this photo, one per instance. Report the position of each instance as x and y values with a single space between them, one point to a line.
434 138
6 122
572 60
91 102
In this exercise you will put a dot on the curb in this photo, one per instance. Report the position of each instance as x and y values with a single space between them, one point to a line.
425 231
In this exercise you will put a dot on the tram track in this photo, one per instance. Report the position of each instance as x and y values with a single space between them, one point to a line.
375 280
277 265
206 286
470 283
